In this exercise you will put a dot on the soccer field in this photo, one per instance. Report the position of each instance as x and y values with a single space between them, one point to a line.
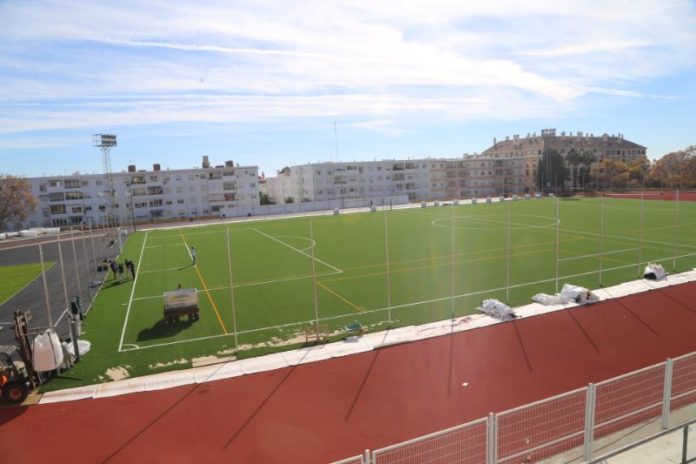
390 268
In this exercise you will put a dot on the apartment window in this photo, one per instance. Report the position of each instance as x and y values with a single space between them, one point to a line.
73 195
57 209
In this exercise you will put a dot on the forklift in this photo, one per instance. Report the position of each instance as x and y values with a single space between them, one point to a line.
14 381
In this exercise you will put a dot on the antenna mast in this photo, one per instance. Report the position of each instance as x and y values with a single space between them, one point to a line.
336 140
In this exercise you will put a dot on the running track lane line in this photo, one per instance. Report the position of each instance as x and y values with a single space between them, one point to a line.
130 300
205 286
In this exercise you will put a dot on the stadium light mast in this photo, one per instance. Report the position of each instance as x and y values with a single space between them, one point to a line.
105 142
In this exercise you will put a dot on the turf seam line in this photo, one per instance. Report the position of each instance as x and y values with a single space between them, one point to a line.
130 300
340 297
570 258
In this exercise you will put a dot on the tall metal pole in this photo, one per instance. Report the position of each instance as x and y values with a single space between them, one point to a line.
601 238
77 267
452 260
386 254
557 235
88 267
45 286
314 276
91 242
62 272
507 258
234 309
676 229
640 237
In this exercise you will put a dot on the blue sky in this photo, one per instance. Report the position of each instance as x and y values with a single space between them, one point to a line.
262 83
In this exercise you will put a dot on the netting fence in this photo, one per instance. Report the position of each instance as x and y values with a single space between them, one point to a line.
581 426
75 266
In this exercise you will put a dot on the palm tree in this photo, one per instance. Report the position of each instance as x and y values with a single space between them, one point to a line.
573 158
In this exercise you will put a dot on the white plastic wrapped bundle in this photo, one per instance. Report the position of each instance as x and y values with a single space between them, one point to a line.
654 271
569 294
47 352
497 309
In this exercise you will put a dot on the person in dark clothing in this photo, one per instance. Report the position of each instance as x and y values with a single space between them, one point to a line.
114 268
120 272
131 268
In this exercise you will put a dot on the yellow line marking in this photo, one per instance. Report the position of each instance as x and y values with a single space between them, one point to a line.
205 288
345 300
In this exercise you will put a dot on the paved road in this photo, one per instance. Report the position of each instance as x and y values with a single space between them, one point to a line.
88 250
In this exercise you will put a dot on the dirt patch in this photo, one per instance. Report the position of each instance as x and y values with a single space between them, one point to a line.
118 373
173 363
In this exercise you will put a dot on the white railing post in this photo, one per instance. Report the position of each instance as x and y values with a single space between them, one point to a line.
667 393
491 439
589 422
366 458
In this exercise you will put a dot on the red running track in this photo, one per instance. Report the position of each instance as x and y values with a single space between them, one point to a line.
653 195
336 408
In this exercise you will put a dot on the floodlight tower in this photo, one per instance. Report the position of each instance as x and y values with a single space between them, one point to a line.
105 142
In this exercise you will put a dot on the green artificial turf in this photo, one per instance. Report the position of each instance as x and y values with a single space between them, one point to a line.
14 278
442 262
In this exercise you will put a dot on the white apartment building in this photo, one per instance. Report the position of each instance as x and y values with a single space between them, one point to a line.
424 179
145 195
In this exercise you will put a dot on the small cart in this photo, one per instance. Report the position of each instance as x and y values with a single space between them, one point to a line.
182 302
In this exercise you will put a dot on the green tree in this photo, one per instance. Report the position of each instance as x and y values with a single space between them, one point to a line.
587 159
552 171
16 200
265 199
573 159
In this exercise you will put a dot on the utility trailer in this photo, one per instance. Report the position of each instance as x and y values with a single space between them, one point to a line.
179 303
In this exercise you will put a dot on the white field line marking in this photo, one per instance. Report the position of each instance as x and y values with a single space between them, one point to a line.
130 300
406 305
154 246
299 251
598 254
65 311
161 270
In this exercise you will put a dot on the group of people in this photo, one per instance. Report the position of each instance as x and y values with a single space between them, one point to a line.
119 268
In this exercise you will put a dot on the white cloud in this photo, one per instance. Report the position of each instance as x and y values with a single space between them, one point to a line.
74 64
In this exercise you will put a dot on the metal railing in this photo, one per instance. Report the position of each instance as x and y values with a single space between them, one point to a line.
588 424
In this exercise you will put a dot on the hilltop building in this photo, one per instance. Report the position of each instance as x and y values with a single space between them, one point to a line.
531 148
